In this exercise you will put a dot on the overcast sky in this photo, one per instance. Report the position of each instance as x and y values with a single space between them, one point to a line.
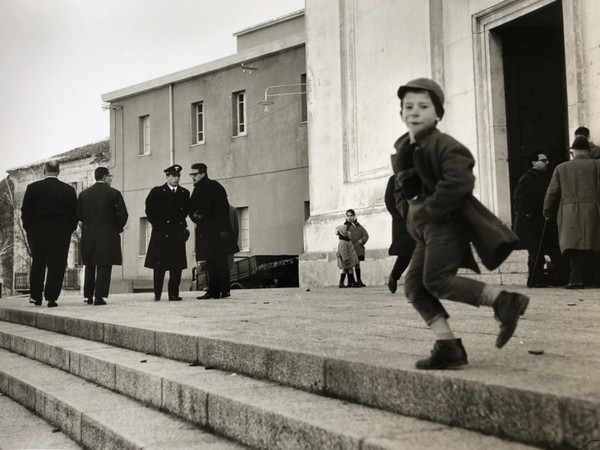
57 57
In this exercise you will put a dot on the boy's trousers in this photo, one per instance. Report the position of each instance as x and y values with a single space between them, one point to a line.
432 273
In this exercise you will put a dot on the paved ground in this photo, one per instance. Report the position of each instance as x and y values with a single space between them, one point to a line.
555 349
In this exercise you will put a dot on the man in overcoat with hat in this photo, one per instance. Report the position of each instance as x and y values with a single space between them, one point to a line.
209 210
166 210
573 197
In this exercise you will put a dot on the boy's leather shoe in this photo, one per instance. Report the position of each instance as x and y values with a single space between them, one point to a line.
35 302
507 309
446 354
392 285
99 301
52 304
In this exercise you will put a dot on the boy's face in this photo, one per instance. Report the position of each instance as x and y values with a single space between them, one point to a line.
418 112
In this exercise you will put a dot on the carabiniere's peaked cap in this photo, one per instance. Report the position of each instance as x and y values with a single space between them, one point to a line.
175 169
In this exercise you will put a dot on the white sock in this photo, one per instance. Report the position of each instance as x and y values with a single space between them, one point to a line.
490 294
441 329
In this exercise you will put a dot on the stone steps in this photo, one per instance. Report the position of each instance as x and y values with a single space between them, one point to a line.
87 400
20 428
94 416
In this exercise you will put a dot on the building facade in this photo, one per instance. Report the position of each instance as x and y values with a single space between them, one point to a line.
245 117
519 76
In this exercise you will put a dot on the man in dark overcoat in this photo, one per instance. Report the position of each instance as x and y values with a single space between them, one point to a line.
49 215
103 215
166 210
209 210
573 197
530 223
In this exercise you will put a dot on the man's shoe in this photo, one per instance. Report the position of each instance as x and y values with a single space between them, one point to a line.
35 302
157 299
574 286
507 309
392 285
99 301
89 301
341 285
206 296
360 284
226 294
174 298
52 304
446 354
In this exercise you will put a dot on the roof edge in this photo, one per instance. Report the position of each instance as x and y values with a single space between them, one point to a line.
286 43
268 23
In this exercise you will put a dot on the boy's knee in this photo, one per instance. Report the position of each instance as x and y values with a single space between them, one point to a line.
437 286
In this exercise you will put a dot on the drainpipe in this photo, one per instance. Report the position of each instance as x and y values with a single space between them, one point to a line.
171 126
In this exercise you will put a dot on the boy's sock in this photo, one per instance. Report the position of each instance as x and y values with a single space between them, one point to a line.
441 329
489 295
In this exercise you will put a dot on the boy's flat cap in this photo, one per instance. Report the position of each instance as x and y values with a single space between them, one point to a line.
425 84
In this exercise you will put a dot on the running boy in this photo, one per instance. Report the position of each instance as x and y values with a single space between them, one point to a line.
434 175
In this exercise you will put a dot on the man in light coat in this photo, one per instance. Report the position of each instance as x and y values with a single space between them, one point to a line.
103 215
573 196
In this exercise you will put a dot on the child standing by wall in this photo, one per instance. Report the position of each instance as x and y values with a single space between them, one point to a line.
346 256
434 176
359 237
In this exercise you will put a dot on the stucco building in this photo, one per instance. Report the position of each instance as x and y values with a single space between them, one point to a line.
245 117
519 76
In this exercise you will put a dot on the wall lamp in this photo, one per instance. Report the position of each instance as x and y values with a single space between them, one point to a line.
266 102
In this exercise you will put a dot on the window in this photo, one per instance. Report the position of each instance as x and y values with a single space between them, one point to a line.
144 136
145 232
303 99
198 123
239 113
244 237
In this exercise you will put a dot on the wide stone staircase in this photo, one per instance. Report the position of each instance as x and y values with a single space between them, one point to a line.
150 384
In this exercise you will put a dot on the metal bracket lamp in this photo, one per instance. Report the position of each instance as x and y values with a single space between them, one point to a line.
266 102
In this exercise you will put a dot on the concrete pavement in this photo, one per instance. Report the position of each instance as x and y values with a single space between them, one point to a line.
361 345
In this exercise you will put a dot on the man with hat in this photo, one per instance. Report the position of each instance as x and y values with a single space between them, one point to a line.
573 196
166 210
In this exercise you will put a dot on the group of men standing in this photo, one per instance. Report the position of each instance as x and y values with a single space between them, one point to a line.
51 211
559 216
167 207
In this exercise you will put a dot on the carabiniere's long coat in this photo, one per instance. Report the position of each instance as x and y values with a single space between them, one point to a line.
167 211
